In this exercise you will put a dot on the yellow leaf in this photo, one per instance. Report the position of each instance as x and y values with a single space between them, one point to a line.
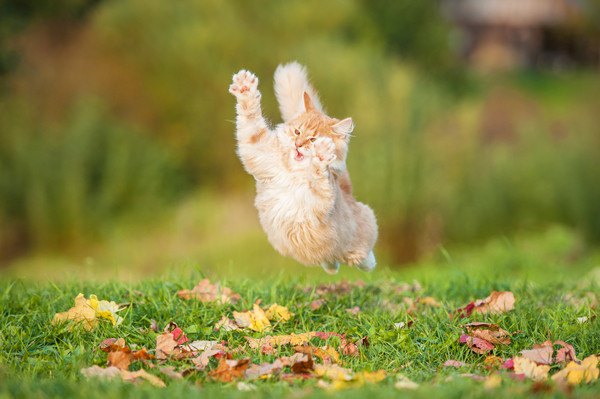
254 319
530 369
574 373
82 313
333 372
278 313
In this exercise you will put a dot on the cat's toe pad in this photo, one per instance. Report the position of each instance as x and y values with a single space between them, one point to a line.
245 83
324 149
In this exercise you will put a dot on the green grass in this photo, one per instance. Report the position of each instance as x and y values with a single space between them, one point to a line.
38 359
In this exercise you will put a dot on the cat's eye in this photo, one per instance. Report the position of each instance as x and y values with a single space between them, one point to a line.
297 132
312 139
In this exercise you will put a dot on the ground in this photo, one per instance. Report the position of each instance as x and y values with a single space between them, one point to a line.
41 359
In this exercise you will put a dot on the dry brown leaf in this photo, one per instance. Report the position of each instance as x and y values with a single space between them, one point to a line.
496 302
203 359
540 354
165 345
229 370
481 337
204 291
303 366
119 359
326 353
134 376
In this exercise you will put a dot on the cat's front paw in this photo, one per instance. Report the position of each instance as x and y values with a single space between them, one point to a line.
245 84
324 150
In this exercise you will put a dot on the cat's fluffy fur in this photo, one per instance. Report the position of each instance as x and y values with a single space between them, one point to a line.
304 196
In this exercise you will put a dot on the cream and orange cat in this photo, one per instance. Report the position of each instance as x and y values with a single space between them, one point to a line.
304 196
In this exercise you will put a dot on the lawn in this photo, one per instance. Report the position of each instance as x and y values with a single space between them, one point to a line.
41 359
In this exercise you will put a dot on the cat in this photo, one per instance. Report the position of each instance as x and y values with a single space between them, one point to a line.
304 198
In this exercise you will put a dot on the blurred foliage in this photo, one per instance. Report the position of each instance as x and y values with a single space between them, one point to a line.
63 187
509 153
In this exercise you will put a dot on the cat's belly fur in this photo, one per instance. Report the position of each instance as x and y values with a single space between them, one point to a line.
287 215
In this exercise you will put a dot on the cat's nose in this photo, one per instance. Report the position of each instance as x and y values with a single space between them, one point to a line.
299 143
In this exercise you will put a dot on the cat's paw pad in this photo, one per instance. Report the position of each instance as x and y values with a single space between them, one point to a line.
324 149
245 84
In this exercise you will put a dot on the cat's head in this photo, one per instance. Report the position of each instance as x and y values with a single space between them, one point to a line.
312 123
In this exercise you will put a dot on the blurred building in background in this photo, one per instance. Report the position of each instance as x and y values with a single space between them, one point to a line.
504 34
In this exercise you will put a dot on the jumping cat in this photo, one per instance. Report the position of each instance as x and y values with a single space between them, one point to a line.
304 196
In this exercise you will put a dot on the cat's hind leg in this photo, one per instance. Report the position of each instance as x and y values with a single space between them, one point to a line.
331 267
368 263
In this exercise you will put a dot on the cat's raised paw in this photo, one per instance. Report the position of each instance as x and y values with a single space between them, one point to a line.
324 150
245 84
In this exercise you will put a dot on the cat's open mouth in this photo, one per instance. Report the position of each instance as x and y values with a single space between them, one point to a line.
299 156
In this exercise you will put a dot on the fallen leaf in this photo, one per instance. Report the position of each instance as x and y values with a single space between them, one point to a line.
403 382
165 345
245 387
530 369
280 340
204 291
482 337
317 304
350 349
372 377
354 311
574 374
255 371
119 359
492 381
226 324
278 313
201 345
130 376
229 370
566 353
333 372
101 372
496 302
254 319
477 345
203 359
454 363
540 354
134 376
170 372
326 353
82 313
303 366
493 362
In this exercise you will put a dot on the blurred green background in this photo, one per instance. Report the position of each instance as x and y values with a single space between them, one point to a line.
477 123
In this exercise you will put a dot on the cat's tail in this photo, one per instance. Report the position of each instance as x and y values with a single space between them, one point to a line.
291 81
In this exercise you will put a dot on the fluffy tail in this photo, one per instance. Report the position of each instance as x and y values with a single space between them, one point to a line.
291 81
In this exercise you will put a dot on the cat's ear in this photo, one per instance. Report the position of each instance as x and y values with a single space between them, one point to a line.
308 104
343 128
